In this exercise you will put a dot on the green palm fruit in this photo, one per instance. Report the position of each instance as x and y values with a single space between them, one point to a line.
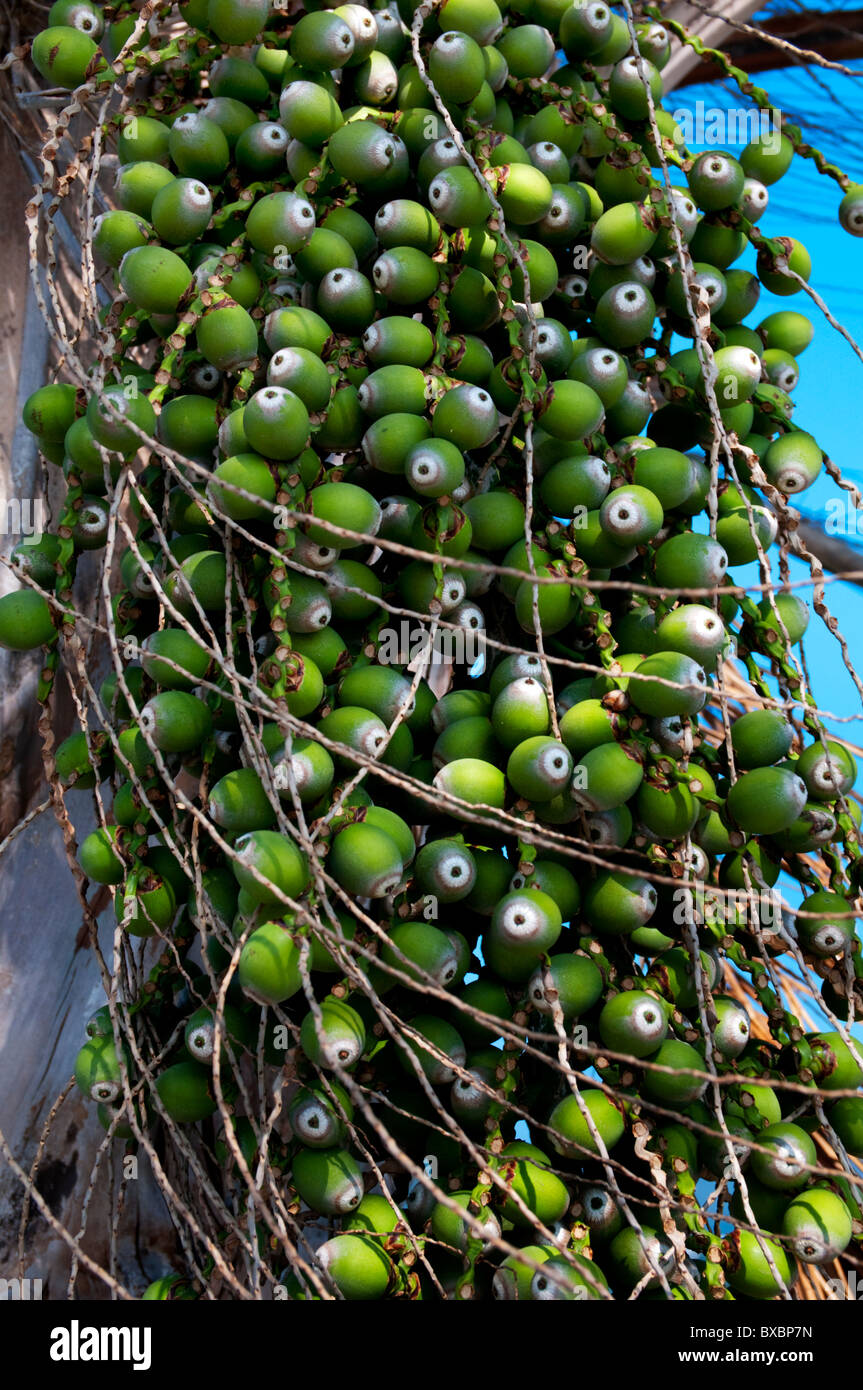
606 776
523 926
135 189
25 621
306 766
118 231
525 1169
716 181
778 275
239 802
356 1264
569 1278
783 371
668 683
623 233
202 577
447 869
365 154
789 1150
571 483
155 279
321 42
97 1069
604 371
78 14
227 336
473 781
100 855
513 1277
835 1065
624 315
388 440
828 931
115 418
269 967
329 1180
77 756
260 151
428 951
818 1224
588 724
65 56
200 1032
748 1270
681 1085
792 611
539 768
631 515
338 1040
176 721
454 1232
190 424
199 147
585 28
828 771
732 1027
457 198
760 738
846 1117
398 340
181 213
496 518
551 878
316 1118
617 903
633 1022
303 374
184 1091
237 21
148 908
673 975
366 861
472 737
574 411
231 116
528 50
345 505
456 67
388 387
766 800
276 860
405 275
694 630
576 1134
577 981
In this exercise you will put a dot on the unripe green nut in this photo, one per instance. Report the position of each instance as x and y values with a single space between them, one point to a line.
606 776
339 1039
766 800
789 1150
279 862
576 980
329 1180
64 55
269 967
155 279
575 1137
366 861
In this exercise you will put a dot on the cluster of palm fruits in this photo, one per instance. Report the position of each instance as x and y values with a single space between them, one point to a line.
424 792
